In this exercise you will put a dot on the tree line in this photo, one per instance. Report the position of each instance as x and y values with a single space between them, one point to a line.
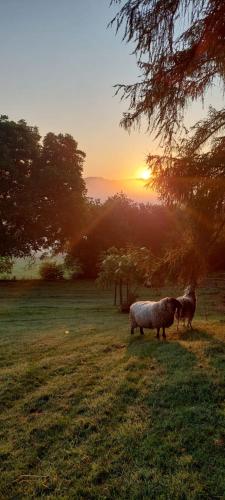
44 206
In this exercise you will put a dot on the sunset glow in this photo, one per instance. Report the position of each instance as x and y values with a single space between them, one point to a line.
144 173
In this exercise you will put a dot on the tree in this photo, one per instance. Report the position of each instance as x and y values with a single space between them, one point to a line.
51 271
42 193
19 153
179 61
194 180
125 268
108 271
62 189
120 223
180 50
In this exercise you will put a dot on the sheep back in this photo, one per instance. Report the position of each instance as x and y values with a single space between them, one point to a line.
148 314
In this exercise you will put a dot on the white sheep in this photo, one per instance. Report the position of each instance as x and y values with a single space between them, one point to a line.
148 314
188 306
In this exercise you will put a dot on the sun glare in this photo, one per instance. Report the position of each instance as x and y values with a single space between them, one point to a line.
145 174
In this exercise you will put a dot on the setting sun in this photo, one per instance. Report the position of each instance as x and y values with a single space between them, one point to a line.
144 174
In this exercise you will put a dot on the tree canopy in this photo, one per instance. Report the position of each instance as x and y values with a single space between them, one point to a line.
194 181
119 222
42 192
180 50
125 267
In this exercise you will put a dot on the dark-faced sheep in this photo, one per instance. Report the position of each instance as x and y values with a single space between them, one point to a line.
148 314
188 306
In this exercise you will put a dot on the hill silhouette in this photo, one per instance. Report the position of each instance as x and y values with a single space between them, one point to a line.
101 188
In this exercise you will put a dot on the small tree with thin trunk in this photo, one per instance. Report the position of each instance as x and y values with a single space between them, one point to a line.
125 269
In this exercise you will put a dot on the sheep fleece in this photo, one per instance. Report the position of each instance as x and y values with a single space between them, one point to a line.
148 314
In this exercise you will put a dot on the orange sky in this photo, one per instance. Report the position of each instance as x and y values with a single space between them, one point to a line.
58 69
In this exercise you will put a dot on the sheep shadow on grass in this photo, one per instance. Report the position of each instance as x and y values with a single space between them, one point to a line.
170 354
195 335
186 434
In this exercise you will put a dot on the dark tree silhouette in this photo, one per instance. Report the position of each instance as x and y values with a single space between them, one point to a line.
180 50
62 188
42 192
195 180
120 222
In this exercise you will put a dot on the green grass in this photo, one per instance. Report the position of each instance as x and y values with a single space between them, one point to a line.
87 411
28 269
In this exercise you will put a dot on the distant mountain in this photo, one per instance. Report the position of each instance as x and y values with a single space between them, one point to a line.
135 189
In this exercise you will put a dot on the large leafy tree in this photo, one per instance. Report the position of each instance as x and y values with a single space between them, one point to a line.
41 189
194 180
19 154
61 187
180 49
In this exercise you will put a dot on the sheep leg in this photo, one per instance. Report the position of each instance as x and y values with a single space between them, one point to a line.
141 330
133 324
158 331
164 334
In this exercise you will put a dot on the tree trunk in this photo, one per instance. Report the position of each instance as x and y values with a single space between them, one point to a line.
127 292
121 292
115 293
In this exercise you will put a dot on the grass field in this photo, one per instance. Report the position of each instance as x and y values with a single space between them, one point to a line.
87 411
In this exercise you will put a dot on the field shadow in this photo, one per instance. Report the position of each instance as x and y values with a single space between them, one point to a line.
171 427
186 430
194 335
169 354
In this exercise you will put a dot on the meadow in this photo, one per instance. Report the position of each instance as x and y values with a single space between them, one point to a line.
88 411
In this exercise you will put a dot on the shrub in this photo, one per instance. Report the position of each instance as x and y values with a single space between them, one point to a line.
51 271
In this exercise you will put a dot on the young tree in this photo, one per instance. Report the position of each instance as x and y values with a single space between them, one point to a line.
125 269
108 267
